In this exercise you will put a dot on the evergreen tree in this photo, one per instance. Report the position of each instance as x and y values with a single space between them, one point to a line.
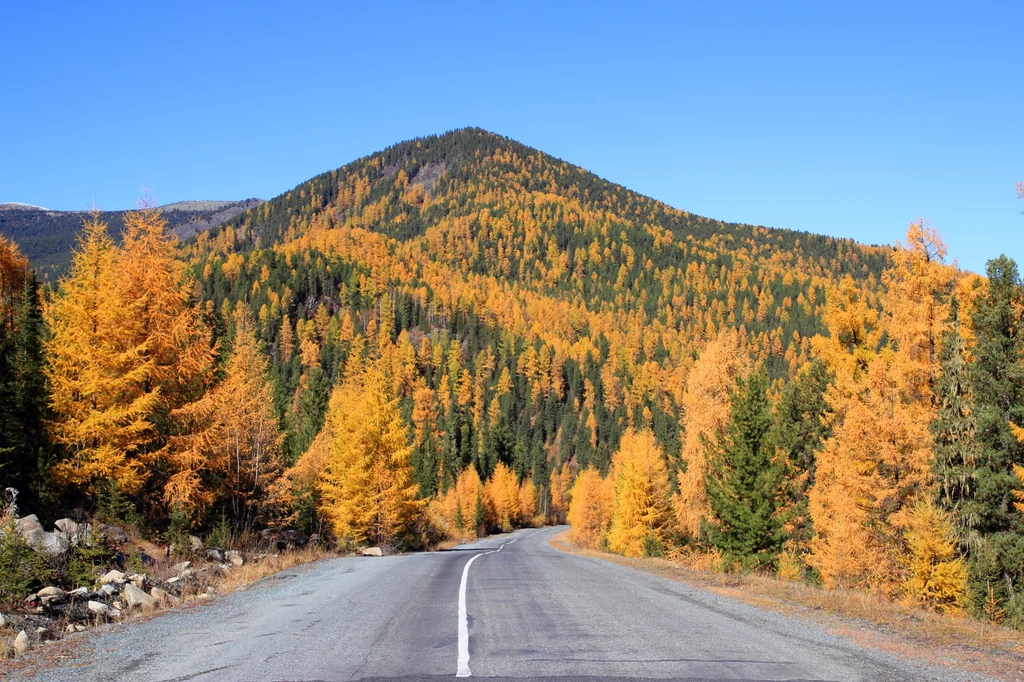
997 383
745 480
955 430
799 430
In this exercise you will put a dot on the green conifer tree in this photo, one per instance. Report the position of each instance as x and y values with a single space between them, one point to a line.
745 480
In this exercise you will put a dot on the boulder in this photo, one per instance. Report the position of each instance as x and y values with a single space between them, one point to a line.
79 593
136 598
113 576
372 551
98 608
108 590
50 591
115 534
163 596
234 557
67 526
29 524
138 579
51 544
21 643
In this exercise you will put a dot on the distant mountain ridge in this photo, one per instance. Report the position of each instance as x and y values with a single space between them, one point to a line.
46 236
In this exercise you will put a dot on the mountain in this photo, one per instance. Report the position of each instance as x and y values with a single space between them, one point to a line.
46 237
528 310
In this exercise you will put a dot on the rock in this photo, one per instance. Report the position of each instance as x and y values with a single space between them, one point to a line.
118 605
29 524
136 598
41 630
79 593
163 596
70 629
112 577
21 643
115 534
108 590
204 595
181 567
67 526
3 621
372 551
215 554
50 591
197 544
79 628
138 579
234 557
98 608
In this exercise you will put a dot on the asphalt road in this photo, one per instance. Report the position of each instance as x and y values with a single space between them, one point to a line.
527 611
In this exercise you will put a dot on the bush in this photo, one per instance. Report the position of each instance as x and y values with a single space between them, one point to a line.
22 569
88 558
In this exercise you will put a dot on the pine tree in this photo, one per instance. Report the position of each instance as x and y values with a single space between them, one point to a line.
997 384
799 431
706 410
746 481
954 430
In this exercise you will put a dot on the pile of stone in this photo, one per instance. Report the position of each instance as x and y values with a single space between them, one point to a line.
53 612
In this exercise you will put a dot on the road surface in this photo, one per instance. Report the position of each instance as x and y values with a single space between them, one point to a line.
509 607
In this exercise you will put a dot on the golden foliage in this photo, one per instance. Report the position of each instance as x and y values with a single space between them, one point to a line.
591 509
101 389
366 487
706 413
642 507
501 498
937 576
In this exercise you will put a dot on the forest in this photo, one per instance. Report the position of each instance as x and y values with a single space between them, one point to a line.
462 335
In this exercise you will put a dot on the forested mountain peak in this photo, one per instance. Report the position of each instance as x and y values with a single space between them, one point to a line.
518 265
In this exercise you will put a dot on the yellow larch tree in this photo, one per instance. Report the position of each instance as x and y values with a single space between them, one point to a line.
501 497
643 510
101 388
560 483
591 508
166 322
527 502
705 416
366 490
937 575
876 467
243 443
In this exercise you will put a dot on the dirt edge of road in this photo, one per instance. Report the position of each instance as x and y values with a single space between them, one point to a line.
957 644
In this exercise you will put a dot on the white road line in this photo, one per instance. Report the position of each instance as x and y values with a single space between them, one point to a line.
463 666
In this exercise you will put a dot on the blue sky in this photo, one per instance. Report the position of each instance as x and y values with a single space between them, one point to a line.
849 119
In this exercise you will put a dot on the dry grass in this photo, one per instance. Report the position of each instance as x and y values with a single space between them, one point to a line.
958 643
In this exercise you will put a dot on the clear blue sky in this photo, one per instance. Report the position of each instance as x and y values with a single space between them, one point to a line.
849 120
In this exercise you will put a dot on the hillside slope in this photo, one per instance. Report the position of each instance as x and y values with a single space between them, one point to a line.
46 237
528 311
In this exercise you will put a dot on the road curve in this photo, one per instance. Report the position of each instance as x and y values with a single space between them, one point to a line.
528 611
